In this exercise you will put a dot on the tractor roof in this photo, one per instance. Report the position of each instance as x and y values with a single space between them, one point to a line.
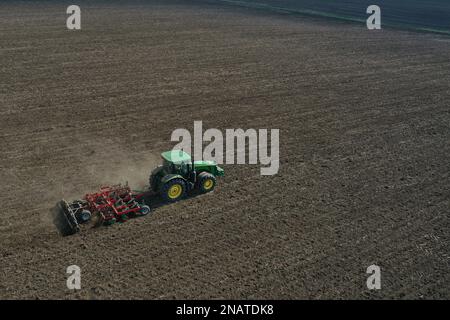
176 156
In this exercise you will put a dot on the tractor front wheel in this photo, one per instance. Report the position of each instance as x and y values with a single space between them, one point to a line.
173 190
206 182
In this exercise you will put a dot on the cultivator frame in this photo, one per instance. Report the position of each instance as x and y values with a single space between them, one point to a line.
111 204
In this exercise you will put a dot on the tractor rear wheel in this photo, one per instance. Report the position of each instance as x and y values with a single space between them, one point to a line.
173 190
206 182
153 181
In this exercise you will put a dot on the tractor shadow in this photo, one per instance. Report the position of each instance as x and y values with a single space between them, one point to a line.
155 201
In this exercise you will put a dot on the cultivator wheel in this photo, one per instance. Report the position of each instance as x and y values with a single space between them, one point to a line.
84 216
145 210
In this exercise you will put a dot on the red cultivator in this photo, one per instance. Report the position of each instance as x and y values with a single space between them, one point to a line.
112 204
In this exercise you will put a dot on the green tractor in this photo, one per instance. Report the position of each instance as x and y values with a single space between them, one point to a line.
179 174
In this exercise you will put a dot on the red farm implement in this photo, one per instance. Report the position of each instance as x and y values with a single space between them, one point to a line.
111 204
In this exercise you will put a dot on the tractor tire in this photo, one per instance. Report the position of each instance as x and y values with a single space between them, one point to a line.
173 190
206 182
153 180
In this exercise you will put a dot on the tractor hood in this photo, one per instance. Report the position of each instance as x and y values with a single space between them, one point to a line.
209 166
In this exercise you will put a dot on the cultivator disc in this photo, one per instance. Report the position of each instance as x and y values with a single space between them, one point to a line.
69 222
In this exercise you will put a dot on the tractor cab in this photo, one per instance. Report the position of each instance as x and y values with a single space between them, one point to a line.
177 162
179 174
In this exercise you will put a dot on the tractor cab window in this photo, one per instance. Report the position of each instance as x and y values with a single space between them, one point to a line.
179 168
184 169
168 166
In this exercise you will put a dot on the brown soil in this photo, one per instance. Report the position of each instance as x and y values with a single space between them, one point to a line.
364 145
